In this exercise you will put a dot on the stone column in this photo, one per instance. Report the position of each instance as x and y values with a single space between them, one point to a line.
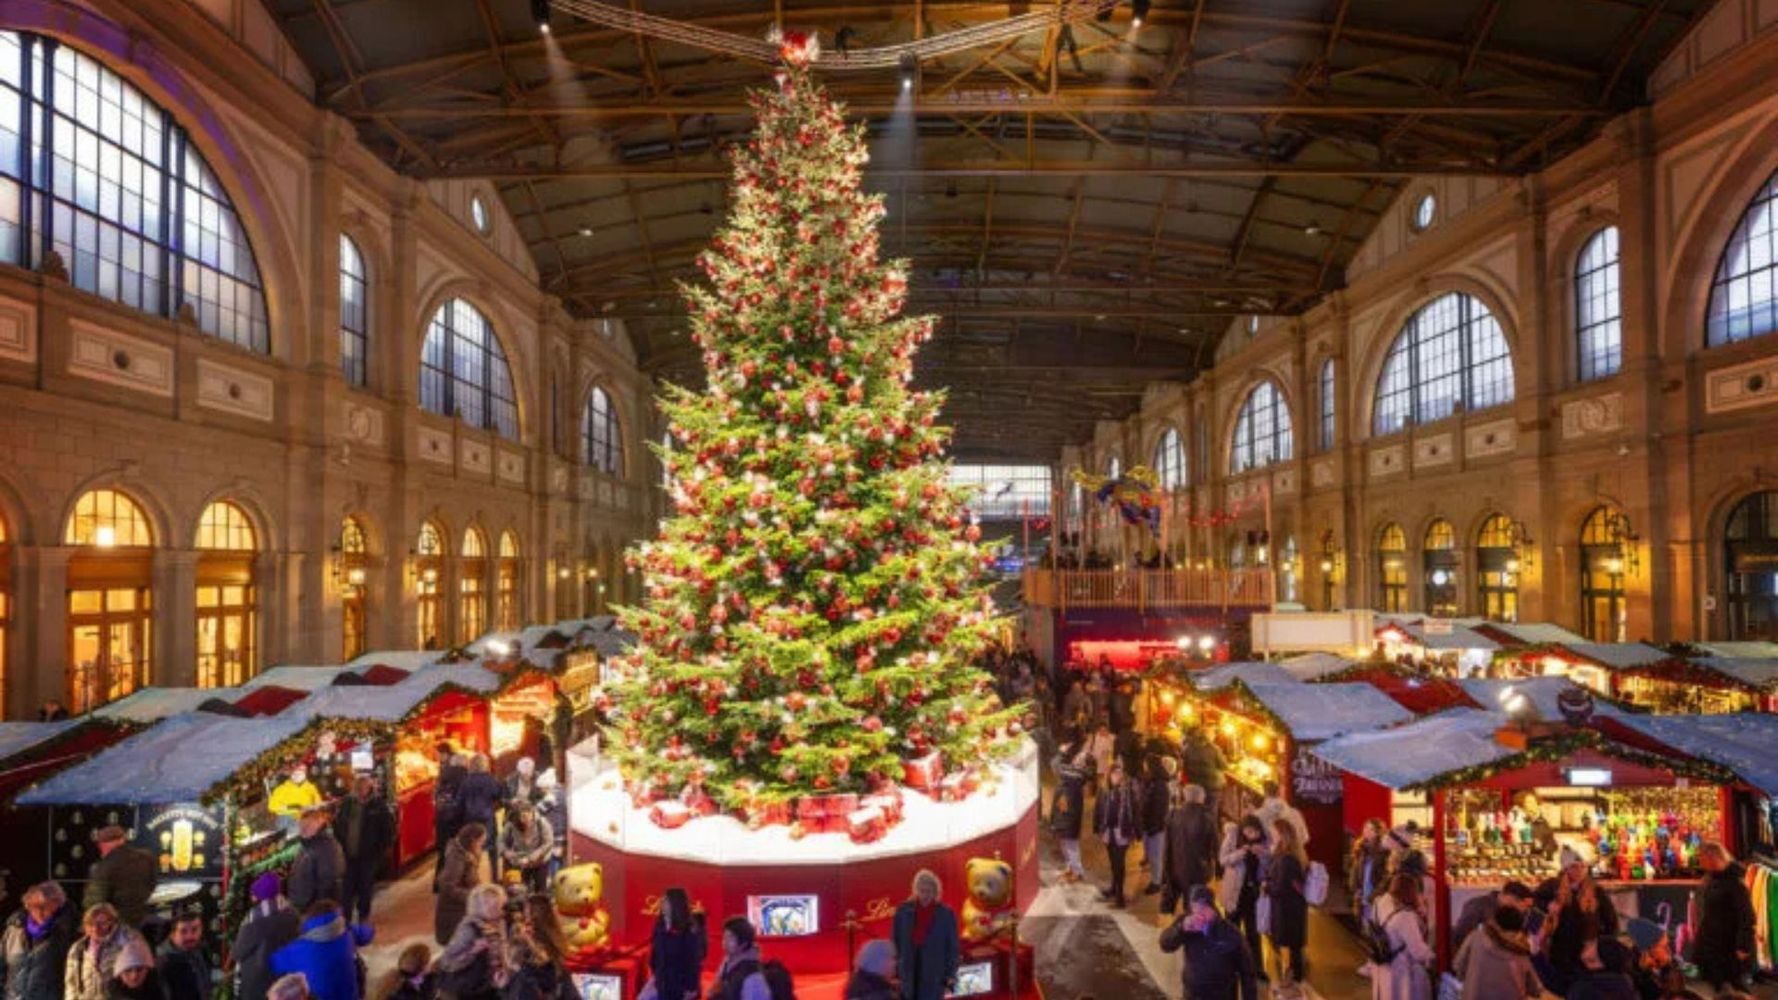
270 637
175 578
40 592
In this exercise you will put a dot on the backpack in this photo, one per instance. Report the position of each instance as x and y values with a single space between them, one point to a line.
1376 940
1315 885
777 979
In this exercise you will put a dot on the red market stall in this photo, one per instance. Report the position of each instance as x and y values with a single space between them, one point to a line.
31 752
1710 685
1596 666
1418 694
1499 801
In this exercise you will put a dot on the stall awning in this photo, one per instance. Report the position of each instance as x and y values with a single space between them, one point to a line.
1419 751
1314 666
1322 711
1247 672
153 704
1419 695
1452 635
1618 655
1745 742
397 701
409 660
1528 633
296 678
176 761
1755 673
269 699
1543 693
1753 650
19 737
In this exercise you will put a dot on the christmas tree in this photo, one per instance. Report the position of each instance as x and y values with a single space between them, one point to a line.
815 609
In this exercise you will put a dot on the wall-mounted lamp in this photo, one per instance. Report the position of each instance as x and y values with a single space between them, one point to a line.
105 537
429 574
563 573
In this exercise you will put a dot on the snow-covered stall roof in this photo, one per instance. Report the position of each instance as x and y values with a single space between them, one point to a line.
401 659
18 737
1459 636
1532 633
152 704
1323 711
1757 649
1314 666
1755 673
1618 655
1742 742
1542 692
1247 671
396 701
176 761
1419 751
296 678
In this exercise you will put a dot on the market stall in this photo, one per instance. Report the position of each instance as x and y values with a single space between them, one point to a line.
1596 666
1502 800
1266 731
1710 685
29 753
1412 690
1444 646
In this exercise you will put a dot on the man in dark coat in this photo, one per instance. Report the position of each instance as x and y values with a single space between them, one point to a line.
319 871
1218 965
124 876
1723 947
927 944
1191 848
365 830
184 971
34 946
1204 766
270 925
1153 809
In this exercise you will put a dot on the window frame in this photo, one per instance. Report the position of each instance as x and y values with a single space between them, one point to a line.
601 433
459 357
354 320
1327 430
1761 210
1169 460
1426 361
1598 360
1424 213
1244 437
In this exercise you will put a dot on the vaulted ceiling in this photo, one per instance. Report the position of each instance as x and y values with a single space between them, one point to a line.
1085 208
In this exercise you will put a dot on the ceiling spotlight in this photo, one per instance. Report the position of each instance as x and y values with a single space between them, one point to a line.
909 67
842 39
540 14
586 230
1312 229
1138 11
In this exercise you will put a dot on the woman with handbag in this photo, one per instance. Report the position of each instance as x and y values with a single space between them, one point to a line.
473 965
1243 856
1115 821
1289 918
1398 913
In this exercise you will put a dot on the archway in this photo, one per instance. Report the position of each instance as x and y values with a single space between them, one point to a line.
1750 566
354 572
110 599
227 601
1604 615
1439 562
1392 569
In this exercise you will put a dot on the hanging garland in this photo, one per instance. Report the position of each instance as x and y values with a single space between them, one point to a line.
248 780
1558 747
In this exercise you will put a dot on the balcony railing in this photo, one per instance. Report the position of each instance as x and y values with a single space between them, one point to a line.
1142 589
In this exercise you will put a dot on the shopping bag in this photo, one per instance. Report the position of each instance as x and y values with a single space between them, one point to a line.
1262 914
1450 987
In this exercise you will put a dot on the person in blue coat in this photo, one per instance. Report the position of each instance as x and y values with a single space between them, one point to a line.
927 945
326 953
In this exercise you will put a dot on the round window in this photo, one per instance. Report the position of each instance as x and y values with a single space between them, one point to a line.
1424 211
478 213
1252 324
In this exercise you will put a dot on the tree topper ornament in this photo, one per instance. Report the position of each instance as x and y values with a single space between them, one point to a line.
797 48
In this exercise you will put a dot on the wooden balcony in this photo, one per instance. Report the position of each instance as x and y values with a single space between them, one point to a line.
1144 589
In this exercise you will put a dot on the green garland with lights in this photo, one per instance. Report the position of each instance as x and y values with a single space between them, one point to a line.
1565 744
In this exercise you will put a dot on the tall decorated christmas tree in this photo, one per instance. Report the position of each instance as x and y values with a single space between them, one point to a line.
815 609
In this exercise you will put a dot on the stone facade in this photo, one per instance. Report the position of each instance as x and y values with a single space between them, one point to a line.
95 395
1674 440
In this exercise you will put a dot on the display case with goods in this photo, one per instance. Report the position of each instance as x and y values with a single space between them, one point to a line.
1710 685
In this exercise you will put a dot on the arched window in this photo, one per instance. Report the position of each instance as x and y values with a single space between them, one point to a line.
463 371
1439 556
110 600
1392 568
429 550
227 606
1262 430
1449 356
354 314
506 584
1744 296
1324 382
472 589
1749 543
1598 329
1287 571
601 444
1497 569
1114 467
1169 460
122 195
354 572
1603 613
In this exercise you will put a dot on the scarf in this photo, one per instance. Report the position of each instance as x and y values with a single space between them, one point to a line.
34 931
1517 943
923 914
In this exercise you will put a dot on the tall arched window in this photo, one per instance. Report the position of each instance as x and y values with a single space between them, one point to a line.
1439 556
110 599
119 192
1262 430
1750 549
1449 356
463 371
1392 568
1324 383
1603 613
1598 332
354 314
472 587
506 585
601 444
1744 296
1169 460
429 550
1497 569
228 608
353 576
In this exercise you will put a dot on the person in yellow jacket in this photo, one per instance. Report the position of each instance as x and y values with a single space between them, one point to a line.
295 794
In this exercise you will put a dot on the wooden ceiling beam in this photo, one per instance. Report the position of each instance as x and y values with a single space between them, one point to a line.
1052 168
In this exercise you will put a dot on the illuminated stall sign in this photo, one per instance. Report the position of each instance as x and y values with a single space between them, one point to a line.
186 839
1313 780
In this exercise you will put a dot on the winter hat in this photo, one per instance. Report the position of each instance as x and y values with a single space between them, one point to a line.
1644 934
1201 895
877 957
267 886
134 955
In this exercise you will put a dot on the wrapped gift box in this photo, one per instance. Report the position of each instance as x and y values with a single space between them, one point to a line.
888 802
670 815
923 773
867 824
